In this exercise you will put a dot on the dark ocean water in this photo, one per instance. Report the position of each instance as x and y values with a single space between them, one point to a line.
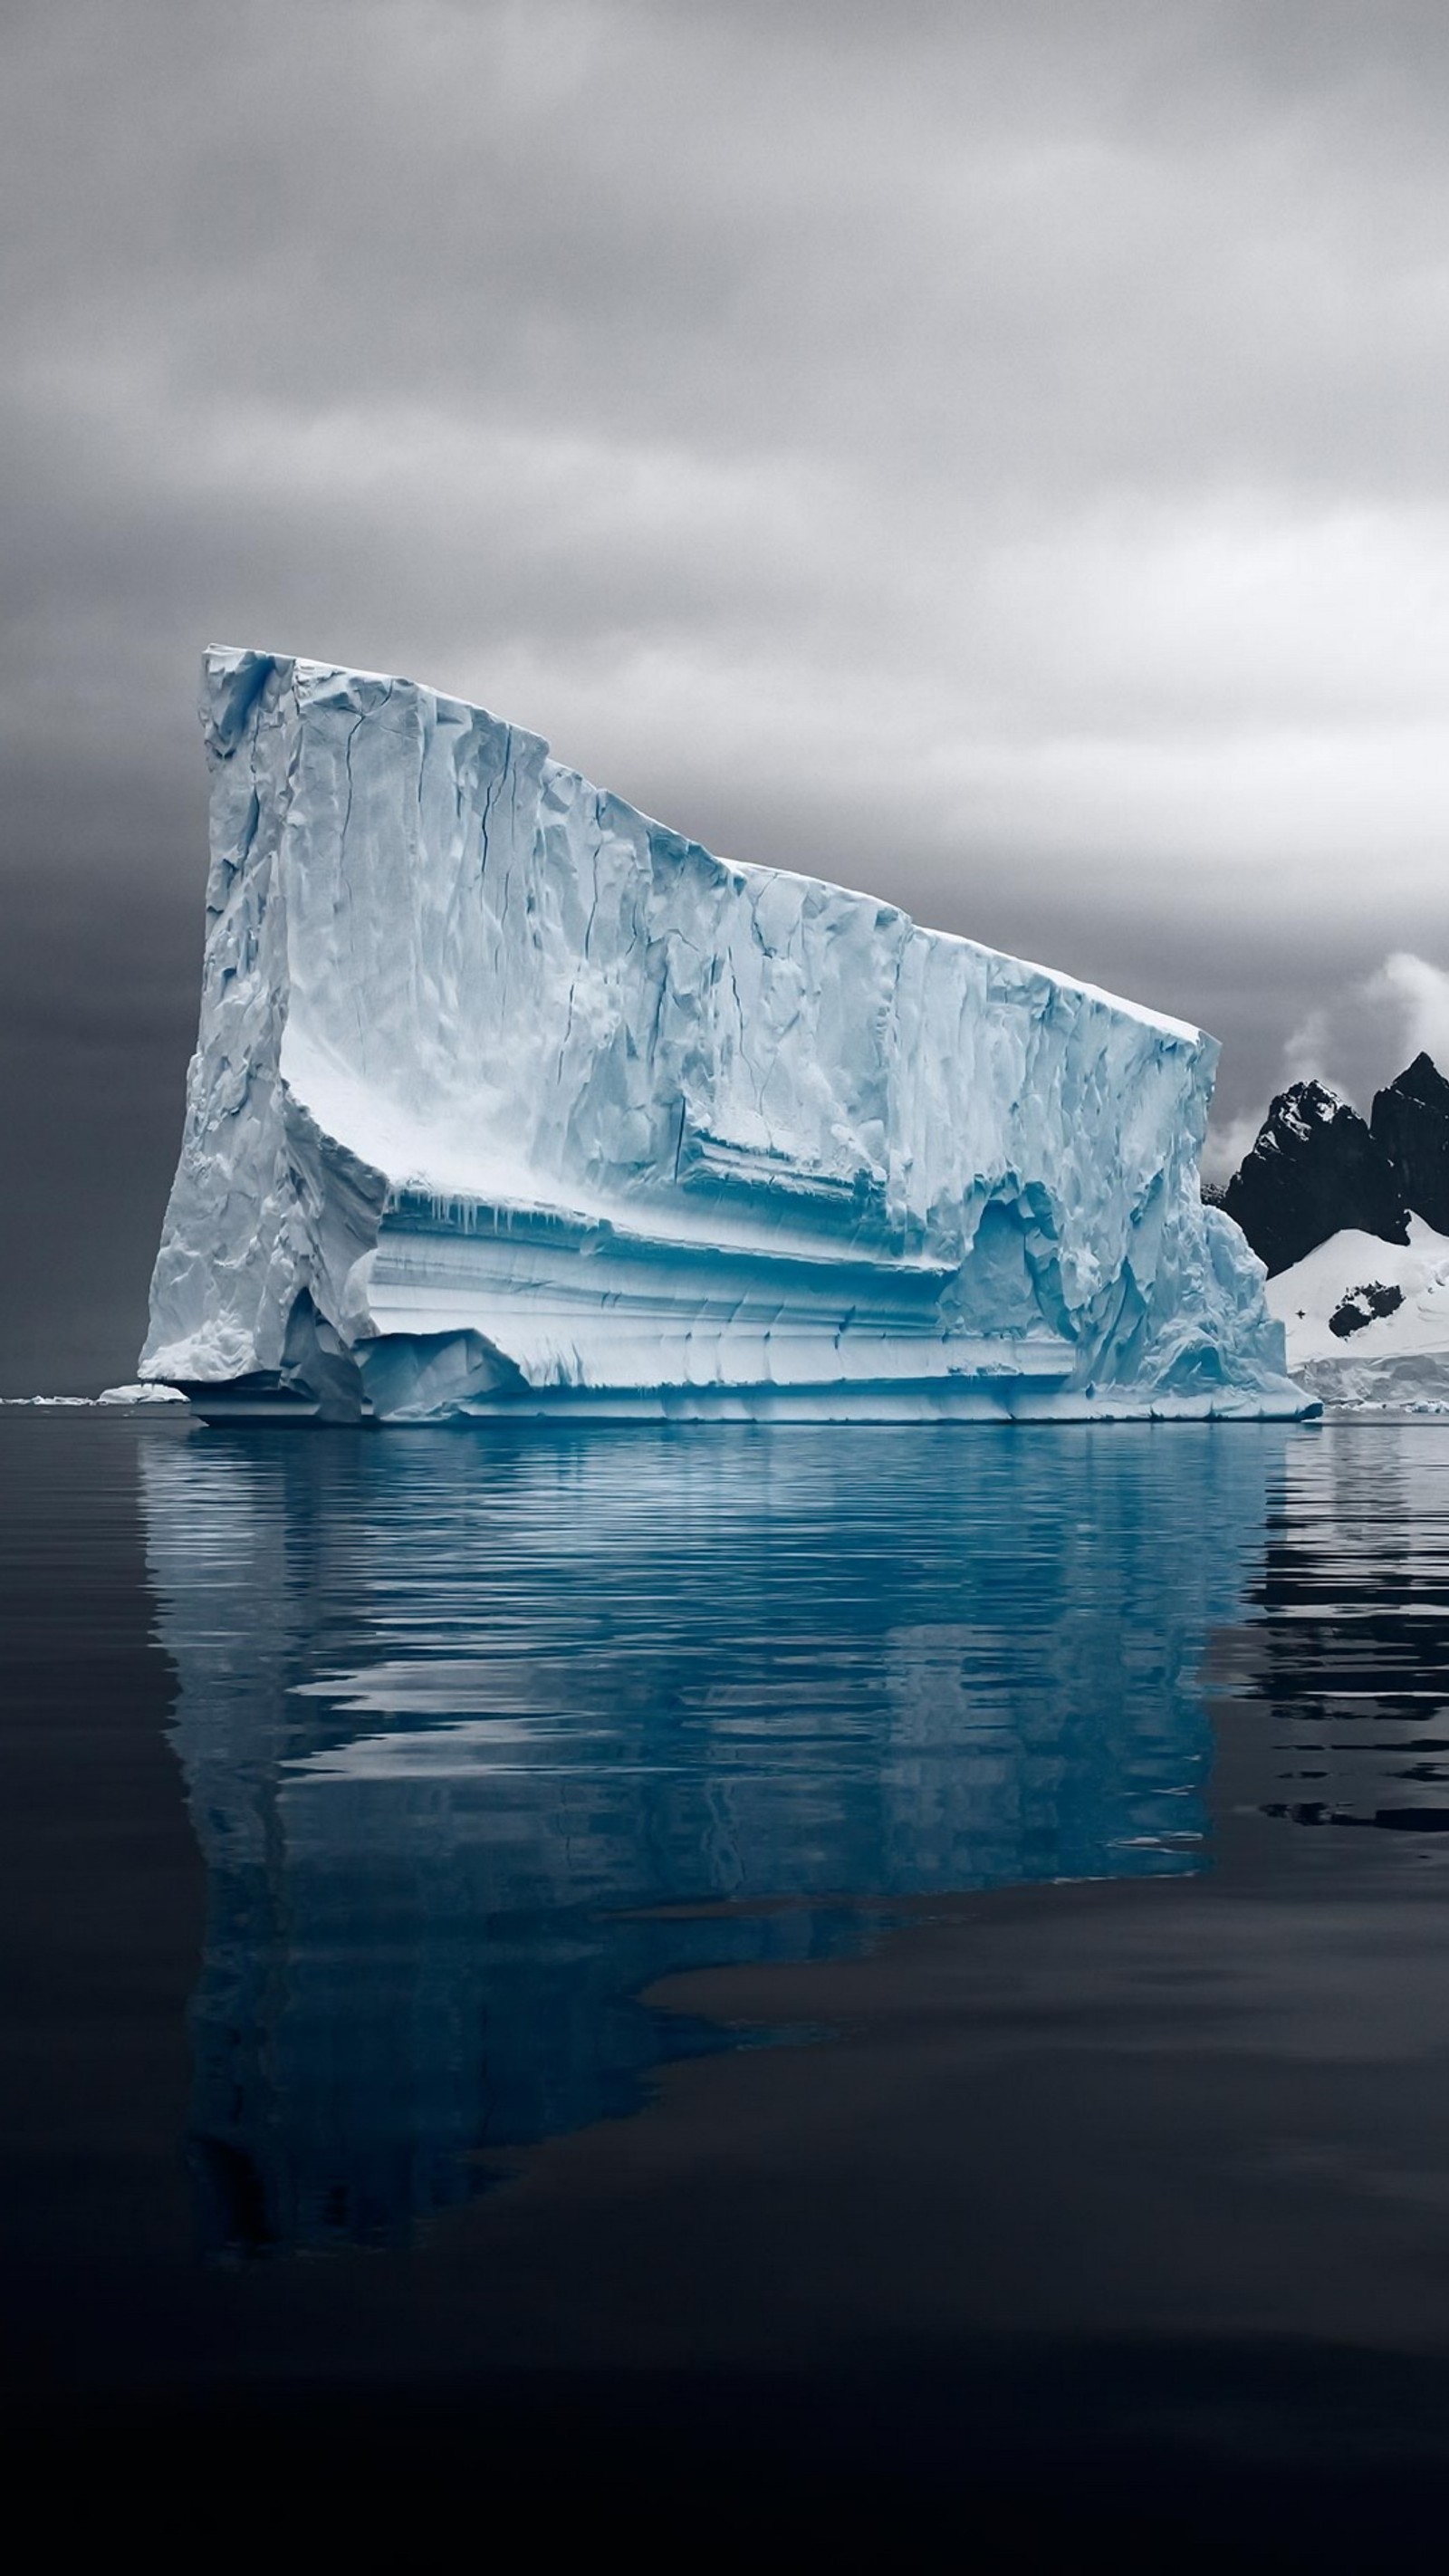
842 1979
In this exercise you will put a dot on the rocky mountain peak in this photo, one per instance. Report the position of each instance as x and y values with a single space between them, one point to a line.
1315 1167
1410 1123
1421 1080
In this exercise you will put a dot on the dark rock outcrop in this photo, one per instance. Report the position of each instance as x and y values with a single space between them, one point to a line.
1363 1306
1315 1168
1410 1122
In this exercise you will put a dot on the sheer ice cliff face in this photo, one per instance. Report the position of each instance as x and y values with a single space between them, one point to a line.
508 1100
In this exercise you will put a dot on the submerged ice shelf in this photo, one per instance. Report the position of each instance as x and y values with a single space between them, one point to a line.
508 1100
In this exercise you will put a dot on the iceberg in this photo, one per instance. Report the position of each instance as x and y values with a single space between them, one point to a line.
150 1395
509 1101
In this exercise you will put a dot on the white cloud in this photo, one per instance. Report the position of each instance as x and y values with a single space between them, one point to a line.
1356 1041
1226 1146
1417 992
1308 1051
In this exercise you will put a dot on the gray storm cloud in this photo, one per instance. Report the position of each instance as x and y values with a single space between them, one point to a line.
993 455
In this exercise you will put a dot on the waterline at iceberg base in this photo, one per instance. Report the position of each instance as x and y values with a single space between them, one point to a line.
508 1100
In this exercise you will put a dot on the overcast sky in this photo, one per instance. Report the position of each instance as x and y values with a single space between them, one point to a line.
992 453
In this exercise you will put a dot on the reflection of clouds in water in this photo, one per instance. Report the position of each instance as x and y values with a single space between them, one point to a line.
456 1712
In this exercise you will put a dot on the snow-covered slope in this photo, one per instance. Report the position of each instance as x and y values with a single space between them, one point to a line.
1399 1355
509 1099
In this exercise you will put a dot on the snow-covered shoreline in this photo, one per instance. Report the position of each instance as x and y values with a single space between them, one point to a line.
1398 1357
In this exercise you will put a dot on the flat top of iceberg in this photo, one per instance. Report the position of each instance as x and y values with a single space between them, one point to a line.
223 662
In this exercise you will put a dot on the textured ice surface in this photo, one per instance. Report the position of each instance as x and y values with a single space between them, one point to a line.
140 1393
507 1098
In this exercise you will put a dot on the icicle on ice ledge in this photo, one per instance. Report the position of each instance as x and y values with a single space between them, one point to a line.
509 1101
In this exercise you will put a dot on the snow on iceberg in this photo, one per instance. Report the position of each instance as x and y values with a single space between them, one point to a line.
507 1100
142 1393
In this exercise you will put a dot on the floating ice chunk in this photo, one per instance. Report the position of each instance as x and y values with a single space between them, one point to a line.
509 1100
50 1403
149 1393
143 1391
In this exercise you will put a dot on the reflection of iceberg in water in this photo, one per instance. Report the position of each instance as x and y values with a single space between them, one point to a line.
482 1734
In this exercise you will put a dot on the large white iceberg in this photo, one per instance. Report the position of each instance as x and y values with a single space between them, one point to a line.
507 1100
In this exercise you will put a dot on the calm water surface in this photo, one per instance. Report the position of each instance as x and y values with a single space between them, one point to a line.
807 1956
